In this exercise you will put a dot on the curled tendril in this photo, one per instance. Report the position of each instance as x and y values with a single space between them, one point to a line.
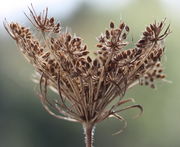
113 113
120 118
47 104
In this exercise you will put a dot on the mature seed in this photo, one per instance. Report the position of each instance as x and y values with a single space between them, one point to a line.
160 70
95 62
89 59
85 53
85 47
58 25
107 34
124 36
68 38
127 28
99 45
142 41
128 52
146 34
52 20
148 29
152 27
112 25
161 24
124 54
122 25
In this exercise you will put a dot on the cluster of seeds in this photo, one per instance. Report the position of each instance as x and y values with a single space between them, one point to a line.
86 86
42 22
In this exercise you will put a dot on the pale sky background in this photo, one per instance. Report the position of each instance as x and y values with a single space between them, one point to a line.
13 9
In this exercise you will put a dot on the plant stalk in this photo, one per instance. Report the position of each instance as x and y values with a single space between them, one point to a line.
89 134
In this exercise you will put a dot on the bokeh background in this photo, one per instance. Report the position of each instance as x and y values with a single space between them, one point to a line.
23 121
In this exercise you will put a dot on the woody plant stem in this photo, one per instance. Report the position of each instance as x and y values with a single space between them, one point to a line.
89 133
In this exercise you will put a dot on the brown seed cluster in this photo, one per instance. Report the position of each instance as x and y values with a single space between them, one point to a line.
87 86
42 22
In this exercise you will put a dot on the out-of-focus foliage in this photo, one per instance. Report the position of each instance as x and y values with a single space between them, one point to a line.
23 122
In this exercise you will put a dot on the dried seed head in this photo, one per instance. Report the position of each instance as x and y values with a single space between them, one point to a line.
87 86
42 22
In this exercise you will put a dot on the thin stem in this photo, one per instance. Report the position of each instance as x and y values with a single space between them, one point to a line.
89 133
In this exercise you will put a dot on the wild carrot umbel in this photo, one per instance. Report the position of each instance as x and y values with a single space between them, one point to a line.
87 86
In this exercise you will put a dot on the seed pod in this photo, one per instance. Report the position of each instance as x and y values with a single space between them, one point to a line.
112 25
152 27
142 41
163 76
158 65
160 71
58 25
122 25
85 53
85 47
127 28
120 56
107 34
99 45
148 29
89 59
68 38
160 25
142 67
139 45
145 61
128 52
88 65
158 76
151 55
52 69
52 40
104 48
124 36
146 33
95 62
99 52
52 20
124 54
13 26
39 18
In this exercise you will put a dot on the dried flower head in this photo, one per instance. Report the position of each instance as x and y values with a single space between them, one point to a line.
87 86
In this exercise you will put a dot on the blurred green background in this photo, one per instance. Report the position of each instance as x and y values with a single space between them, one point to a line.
23 121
